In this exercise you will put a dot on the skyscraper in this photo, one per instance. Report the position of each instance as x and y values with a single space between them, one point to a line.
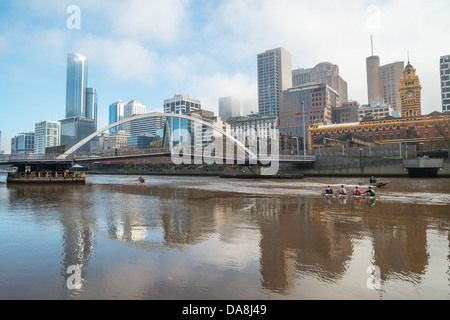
324 72
116 112
91 105
274 76
383 82
81 103
23 143
445 82
373 78
181 103
132 108
47 134
76 85
390 75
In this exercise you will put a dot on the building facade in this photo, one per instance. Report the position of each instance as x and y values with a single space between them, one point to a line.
76 85
253 129
415 129
75 129
147 126
444 64
132 108
81 102
373 78
375 110
23 143
274 76
92 105
410 92
347 112
383 82
390 75
305 105
46 134
324 72
181 103
116 113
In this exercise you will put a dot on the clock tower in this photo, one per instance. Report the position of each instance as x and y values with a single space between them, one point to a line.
410 92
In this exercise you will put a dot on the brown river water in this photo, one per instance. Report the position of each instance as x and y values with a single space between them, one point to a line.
206 238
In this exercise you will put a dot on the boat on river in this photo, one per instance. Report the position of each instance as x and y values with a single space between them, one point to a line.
141 179
379 184
363 196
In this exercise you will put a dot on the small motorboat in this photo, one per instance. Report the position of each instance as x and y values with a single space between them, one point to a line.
379 183
141 179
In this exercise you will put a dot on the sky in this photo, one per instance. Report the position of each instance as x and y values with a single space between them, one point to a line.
150 50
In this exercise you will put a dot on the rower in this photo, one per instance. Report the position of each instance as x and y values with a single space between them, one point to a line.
356 191
373 180
329 190
342 190
370 192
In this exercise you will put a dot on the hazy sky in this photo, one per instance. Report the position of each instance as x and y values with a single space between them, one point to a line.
149 50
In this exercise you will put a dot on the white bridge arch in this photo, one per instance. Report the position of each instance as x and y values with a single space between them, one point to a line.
151 115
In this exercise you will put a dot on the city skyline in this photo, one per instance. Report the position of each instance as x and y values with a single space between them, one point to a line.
149 51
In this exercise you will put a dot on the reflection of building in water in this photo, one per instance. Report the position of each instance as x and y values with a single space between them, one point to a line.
66 203
298 241
399 240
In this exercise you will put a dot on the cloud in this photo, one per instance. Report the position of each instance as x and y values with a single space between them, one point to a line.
161 22
124 58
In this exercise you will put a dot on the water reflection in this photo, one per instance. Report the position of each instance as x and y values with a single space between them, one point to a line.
323 240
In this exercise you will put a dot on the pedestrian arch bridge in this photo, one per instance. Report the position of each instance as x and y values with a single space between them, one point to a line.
236 142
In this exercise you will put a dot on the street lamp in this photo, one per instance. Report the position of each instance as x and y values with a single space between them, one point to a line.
304 127
304 141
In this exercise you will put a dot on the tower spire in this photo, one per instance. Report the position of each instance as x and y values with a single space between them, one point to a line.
371 43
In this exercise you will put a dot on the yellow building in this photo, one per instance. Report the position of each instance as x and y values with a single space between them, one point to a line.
410 92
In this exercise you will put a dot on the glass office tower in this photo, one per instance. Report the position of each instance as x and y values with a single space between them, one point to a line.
91 105
76 85
116 113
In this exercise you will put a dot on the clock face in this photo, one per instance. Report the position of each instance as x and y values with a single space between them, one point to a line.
410 94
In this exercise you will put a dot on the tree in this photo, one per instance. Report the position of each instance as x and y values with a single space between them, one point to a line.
441 131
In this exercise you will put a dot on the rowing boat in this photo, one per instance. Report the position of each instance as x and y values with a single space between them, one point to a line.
363 196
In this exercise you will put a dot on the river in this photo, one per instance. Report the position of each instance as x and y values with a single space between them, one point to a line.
205 238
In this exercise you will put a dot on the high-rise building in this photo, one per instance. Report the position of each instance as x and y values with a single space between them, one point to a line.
373 78
91 105
23 143
274 76
146 126
116 113
132 108
410 92
390 75
46 134
383 82
76 85
81 102
75 129
445 82
304 105
324 72
181 103
229 107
